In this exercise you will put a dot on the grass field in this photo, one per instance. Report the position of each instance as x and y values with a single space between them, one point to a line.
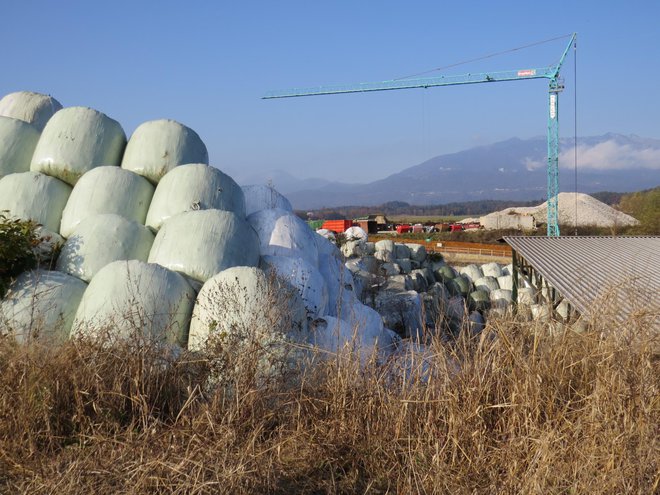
523 408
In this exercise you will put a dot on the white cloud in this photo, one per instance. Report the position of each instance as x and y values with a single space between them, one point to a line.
531 164
608 155
611 155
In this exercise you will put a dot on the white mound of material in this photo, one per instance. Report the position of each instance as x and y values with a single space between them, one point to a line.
201 244
17 142
33 108
258 197
34 196
303 277
74 141
281 233
101 239
157 146
41 305
132 299
194 187
107 190
241 306
590 212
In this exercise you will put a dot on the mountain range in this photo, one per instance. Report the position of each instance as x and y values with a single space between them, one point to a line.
514 169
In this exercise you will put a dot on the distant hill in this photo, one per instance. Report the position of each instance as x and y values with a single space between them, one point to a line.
512 170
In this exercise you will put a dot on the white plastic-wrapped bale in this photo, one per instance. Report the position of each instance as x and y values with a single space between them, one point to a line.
158 146
260 197
487 283
281 233
128 300
303 277
401 311
242 306
192 187
326 234
74 141
101 239
527 295
41 305
356 234
339 281
405 265
34 196
353 249
401 251
417 252
505 282
479 300
107 190
33 108
200 244
364 337
473 272
476 322
384 256
491 270
326 245
48 244
500 298
385 245
17 142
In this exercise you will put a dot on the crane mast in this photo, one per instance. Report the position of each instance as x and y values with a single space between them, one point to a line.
555 86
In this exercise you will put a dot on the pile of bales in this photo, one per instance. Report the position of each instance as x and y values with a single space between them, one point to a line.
158 244
420 295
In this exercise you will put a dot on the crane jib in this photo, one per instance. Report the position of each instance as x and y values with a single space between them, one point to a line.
555 86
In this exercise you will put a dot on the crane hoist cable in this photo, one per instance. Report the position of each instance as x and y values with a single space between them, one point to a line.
484 57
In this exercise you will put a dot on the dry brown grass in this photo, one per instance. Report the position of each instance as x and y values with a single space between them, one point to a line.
526 411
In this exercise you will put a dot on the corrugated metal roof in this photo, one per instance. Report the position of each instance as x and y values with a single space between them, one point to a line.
586 269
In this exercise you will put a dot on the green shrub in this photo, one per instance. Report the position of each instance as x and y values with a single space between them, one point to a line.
17 240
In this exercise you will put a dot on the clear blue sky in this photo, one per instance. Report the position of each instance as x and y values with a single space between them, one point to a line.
206 64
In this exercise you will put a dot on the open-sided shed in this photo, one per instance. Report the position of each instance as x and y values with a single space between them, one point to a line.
614 275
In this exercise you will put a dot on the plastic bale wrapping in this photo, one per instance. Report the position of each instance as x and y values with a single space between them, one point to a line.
133 301
487 283
491 270
200 244
281 233
245 319
34 196
505 282
356 234
194 187
303 277
340 284
158 146
17 142
41 305
74 141
107 190
479 300
259 197
364 337
401 311
417 252
33 108
473 272
100 240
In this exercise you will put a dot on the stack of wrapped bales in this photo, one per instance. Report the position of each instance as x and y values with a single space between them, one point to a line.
151 233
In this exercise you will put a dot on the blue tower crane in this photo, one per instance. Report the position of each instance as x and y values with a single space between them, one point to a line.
555 86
